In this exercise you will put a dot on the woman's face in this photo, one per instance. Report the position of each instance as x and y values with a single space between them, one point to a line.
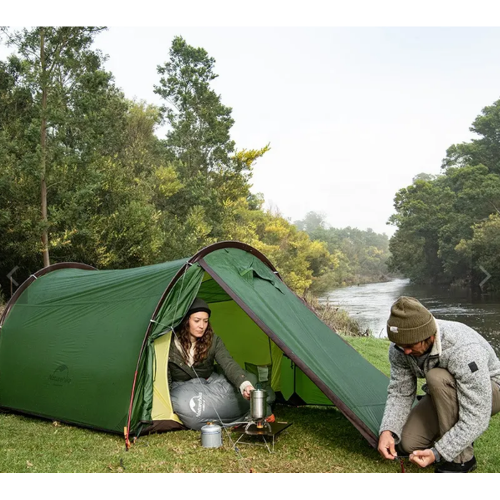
198 323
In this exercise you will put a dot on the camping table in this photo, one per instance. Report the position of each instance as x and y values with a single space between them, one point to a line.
276 429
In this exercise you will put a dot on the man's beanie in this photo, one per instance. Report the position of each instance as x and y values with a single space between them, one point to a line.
199 305
410 322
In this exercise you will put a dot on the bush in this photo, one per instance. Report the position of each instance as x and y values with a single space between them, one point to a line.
337 319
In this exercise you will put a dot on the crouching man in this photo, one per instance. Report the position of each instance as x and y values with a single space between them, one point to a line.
462 375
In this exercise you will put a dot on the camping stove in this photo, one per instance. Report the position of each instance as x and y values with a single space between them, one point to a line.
257 427
258 410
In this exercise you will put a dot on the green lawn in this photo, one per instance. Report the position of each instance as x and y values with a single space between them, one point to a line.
319 440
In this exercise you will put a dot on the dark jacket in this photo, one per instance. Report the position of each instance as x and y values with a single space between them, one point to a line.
179 371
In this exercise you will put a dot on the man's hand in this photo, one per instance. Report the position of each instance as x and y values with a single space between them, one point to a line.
422 458
386 445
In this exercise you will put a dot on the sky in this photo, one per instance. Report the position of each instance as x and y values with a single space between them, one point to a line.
351 114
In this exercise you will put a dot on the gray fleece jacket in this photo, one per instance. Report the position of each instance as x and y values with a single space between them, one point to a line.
458 349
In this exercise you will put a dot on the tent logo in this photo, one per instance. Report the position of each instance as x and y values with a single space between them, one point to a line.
197 404
60 375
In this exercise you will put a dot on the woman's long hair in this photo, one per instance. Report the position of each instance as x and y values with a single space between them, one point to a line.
202 345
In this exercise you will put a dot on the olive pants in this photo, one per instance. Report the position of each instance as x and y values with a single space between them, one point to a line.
437 413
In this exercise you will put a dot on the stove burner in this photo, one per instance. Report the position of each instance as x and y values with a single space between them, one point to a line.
261 425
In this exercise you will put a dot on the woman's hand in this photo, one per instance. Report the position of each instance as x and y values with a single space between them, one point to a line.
246 392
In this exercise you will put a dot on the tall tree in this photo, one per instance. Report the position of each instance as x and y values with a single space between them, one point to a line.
19 224
56 61
445 230
215 176
200 123
422 210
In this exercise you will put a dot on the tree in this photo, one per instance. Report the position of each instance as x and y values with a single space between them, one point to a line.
424 177
486 149
57 62
299 260
434 217
215 176
360 256
107 176
481 250
422 209
200 123
20 224
311 222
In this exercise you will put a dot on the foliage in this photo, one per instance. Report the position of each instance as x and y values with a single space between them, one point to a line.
337 319
482 151
298 259
59 73
214 175
482 250
103 189
446 225
62 130
422 210
360 256
433 217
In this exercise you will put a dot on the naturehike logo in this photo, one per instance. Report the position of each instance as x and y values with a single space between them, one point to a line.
197 404
60 375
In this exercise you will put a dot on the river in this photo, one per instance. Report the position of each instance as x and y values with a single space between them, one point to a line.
370 305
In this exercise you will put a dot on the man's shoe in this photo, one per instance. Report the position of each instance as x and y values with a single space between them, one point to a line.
468 466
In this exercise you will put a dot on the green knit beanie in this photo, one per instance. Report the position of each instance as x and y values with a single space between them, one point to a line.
410 322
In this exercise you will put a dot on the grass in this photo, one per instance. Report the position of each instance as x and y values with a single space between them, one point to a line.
320 439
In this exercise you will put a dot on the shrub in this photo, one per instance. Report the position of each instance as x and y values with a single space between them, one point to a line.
337 319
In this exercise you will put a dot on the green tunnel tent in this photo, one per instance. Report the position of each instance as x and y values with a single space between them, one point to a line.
90 347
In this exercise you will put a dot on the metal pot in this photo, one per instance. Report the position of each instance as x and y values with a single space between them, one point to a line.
258 404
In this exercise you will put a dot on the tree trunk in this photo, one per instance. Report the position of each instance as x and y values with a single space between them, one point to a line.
45 233
43 147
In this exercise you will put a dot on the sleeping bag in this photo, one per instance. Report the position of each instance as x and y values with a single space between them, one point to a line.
199 401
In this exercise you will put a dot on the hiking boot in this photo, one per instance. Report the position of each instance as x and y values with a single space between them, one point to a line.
468 466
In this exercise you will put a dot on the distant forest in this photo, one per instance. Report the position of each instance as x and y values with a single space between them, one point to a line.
448 226
85 178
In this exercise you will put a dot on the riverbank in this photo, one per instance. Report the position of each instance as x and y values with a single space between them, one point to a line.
337 319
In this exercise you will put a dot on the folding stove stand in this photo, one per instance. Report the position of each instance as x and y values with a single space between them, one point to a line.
276 429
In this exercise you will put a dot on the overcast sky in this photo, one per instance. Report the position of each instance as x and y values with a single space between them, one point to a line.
351 114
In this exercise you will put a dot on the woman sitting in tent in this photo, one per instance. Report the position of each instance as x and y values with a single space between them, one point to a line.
198 394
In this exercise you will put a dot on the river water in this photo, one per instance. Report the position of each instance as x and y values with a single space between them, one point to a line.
370 305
